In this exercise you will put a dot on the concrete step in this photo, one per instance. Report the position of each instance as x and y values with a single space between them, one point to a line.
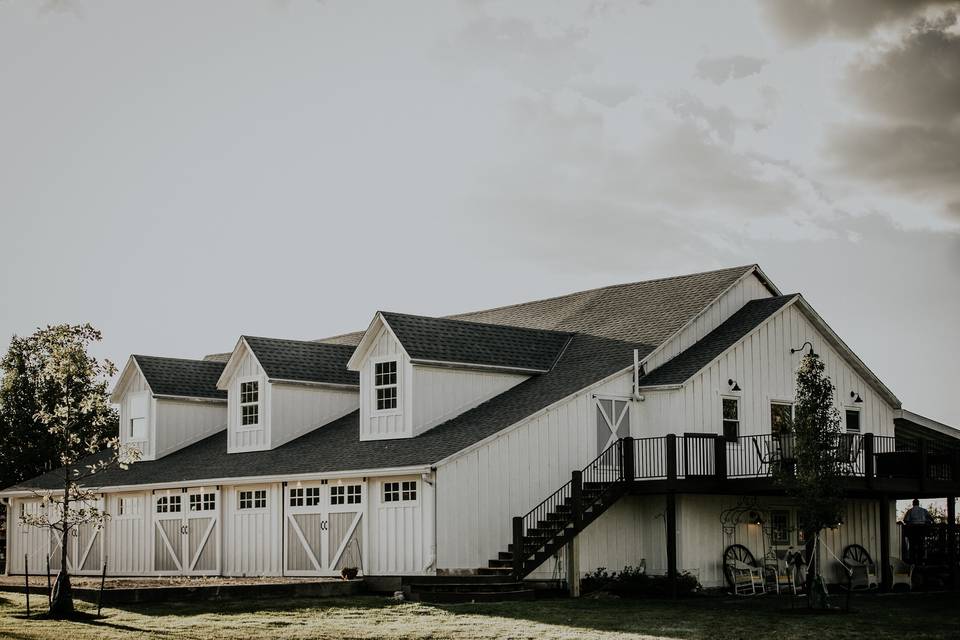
439 597
468 587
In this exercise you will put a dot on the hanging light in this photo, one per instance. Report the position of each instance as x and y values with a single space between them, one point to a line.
299 484
856 396
800 348
733 385
755 518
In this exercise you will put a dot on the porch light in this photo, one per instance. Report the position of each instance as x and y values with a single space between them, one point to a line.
299 484
733 385
857 398
800 348
755 518
339 482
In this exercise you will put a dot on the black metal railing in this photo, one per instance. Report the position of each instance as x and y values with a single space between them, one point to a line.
650 455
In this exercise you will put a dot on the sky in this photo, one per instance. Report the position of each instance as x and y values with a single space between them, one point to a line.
180 173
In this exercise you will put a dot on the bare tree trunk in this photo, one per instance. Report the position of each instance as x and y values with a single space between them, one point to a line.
61 601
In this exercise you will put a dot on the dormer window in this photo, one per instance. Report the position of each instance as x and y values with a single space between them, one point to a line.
137 421
249 403
385 385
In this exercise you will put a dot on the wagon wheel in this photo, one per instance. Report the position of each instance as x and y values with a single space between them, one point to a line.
855 554
732 554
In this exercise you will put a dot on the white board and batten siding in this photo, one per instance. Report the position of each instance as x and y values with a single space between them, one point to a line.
27 544
395 423
138 403
747 289
180 423
401 533
252 537
481 490
248 437
441 393
765 370
127 534
298 409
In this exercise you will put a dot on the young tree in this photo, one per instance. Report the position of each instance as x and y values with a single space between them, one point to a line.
69 397
818 456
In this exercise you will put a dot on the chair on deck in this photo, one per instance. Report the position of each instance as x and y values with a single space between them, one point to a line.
764 458
902 573
862 570
741 570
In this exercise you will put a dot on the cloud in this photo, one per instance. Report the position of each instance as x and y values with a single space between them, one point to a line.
918 80
803 20
720 70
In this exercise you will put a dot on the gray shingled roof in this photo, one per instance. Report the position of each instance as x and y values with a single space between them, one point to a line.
304 360
609 323
181 377
460 341
685 365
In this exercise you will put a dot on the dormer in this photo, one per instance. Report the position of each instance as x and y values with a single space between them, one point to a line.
168 403
278 390
417 372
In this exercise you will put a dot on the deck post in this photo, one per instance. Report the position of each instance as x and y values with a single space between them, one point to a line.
952 541
518 547
869 469
629 464
886 579
720 458
672 459
671 517
576 499
573 567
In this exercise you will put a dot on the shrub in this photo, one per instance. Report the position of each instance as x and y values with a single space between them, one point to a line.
634 582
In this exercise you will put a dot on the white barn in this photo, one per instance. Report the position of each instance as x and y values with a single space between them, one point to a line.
440 446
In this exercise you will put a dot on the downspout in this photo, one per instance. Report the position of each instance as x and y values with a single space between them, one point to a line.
636 376
432 558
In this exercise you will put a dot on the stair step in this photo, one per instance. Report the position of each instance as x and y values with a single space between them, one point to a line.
505 555
477 578
495 571
500 563
467 587
439 597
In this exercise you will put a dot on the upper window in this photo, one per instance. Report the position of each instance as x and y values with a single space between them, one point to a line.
168 504
137 422
249 403
253 499
305 496
780 526
853 420
731 419
781 415
203 501
385 384
345 494
400 491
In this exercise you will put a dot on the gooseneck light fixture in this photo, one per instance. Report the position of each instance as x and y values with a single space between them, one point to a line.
856 397
805 344
733 384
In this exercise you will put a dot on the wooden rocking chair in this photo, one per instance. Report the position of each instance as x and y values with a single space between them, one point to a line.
743 575
861 567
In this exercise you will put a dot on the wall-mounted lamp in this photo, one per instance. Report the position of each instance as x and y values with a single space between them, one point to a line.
755 518
805 344
733 385
856 397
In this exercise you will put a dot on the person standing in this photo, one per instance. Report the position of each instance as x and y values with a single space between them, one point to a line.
915 519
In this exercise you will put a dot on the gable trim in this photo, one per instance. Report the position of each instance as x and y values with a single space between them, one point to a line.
234 362
369 337
125 376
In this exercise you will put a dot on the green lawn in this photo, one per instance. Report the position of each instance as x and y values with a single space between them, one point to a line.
876 617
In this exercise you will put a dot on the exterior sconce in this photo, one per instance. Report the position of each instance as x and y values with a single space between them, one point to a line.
856 397
733 385
755 518
800 348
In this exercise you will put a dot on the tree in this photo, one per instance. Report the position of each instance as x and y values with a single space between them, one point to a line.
27 448
814 479
52 375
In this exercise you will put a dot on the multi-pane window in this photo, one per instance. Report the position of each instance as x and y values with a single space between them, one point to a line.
203 501
249 403
253 499
781 417
300 496
780 526
345 494
168 504
731 419
853 420
400 491
385 384
137 423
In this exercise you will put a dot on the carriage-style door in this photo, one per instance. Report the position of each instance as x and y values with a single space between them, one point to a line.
186 536
613 421
84 548
323 526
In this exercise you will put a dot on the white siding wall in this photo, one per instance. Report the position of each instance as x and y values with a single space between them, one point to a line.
182 422
386 425
33 542
138 387
252 537
750 288
247 438
128 535
442 393
297 409
400 532
766 370
479 492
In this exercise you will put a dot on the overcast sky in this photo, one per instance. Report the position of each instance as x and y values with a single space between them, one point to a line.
179 173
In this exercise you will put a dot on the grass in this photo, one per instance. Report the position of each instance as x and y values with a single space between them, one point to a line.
915 616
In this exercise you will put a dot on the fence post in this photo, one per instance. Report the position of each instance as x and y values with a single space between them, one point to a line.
576 499
49 587
672 458
869 470
518 547
26 580
629 467
103 579
720 458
